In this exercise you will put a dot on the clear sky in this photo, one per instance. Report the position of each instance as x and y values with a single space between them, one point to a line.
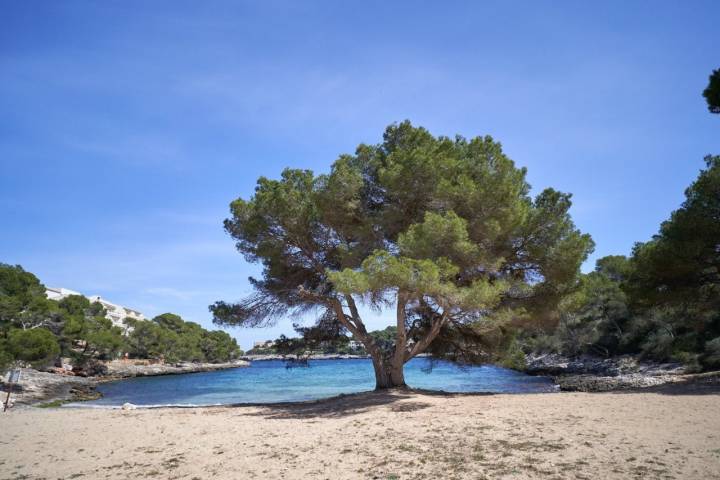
127 127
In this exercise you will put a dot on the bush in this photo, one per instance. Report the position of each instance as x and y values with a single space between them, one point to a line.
514 357
689 359
38 346
711 357
5 358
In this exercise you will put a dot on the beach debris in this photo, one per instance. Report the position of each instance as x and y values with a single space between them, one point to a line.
129 406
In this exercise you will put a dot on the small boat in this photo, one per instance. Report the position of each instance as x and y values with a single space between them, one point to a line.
297 362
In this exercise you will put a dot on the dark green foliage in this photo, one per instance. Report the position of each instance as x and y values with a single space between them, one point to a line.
327 336
150 340
86 333
664 301
712 92
37 346
385 336
23 303
6 357
218 346
675 282
170 338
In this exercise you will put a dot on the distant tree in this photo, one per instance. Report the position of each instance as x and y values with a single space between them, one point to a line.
442 229
87 334
218 346
593 320
170 321
712 92
172 339
152 341
385 338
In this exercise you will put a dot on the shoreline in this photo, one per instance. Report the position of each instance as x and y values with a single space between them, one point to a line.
38 388
588 374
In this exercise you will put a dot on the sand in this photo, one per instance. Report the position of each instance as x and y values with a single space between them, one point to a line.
402 435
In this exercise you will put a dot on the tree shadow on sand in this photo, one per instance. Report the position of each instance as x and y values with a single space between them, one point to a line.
399 400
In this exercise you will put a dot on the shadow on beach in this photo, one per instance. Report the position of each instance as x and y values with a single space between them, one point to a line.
399 400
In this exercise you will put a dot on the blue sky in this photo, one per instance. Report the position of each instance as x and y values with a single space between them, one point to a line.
126 128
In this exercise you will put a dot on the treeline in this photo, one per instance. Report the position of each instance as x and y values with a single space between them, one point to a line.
662 302
38 331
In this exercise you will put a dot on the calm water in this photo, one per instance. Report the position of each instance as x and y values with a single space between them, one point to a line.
269 382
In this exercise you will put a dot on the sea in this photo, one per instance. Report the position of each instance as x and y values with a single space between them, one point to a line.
274 381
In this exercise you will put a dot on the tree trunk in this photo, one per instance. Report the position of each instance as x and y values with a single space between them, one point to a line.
387 373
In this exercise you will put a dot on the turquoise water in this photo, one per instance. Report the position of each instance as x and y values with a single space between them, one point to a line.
270 382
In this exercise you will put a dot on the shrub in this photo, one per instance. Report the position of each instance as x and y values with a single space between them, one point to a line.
711 357
38 346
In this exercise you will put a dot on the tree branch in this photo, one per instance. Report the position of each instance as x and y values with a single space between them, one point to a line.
424 342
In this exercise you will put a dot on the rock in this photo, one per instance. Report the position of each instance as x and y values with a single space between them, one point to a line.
129 406
124 369
91 368
36 386
587 373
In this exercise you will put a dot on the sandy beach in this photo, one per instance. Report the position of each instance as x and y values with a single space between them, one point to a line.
664 433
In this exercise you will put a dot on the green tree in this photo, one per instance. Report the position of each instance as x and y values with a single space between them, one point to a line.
170 338
23 303
594 319
675 282
150 340
442 229
86 333
6 358
189 336
217 346
38 346
170 321
712 92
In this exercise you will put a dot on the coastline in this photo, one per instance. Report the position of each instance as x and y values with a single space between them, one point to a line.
40 387
627 372
582 374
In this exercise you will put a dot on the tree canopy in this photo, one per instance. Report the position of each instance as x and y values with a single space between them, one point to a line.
712 92
443 229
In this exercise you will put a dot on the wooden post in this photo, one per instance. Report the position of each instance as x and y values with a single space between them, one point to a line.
13 377
7 399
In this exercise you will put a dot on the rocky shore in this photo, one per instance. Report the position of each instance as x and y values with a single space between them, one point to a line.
38 387
593 374
119 369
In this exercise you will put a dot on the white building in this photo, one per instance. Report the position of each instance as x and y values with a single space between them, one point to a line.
115 313
59 293
264 344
